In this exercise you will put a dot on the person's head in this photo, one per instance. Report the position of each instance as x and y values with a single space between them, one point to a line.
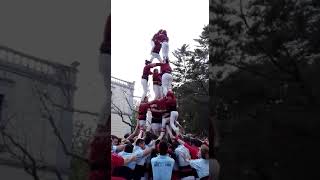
145 99
197 142
141 143
115 140
175 144
204 151
146 62
163 147
155 71
128 148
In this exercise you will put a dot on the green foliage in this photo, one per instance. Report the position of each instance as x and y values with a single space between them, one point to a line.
265 59
191 84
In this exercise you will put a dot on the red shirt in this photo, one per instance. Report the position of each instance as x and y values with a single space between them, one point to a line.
142 111
156 37
97 175
117 178
161 103
193 150
157 47
171 105
98 149
116 160
156 77
163 38
146 71
160 106
164 67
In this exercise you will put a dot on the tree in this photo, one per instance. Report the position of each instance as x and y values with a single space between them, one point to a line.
18 149
191 84
264 58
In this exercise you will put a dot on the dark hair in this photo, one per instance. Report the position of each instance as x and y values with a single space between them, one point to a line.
163 148
128 148
114 137
196 142
175 144
146 62
139 141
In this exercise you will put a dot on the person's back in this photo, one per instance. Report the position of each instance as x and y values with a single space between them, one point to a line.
202 165
162 165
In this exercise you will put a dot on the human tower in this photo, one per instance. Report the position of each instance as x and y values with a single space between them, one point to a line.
163 108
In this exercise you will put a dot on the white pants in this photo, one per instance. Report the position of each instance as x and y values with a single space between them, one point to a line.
173 118
148 120
188 178
155 55
156 127
142 124
164 122
144 84
165 50
157 91
166 83
104 69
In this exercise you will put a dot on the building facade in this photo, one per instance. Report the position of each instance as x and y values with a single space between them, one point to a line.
122 106
35 96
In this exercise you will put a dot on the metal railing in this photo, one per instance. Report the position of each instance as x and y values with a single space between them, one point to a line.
123 83
27 64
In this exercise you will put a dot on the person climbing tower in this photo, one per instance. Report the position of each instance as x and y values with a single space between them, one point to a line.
164 41
156 47
166 76
145 77
156 78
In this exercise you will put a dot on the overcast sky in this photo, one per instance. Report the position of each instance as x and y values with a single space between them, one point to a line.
135 22
61 31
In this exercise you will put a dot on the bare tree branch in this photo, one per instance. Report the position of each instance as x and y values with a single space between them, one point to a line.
33 164
121 114
56 131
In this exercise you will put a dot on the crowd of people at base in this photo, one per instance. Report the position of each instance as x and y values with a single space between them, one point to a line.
174 157
159 150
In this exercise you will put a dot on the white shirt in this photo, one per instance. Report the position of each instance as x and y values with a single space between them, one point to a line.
148 157
182 154
162 167
132 164
201 166
114 148
138 151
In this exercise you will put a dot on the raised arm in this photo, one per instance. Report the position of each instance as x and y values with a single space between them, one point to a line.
129 159
134 132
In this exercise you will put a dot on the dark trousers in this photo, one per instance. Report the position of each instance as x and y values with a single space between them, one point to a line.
139 172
